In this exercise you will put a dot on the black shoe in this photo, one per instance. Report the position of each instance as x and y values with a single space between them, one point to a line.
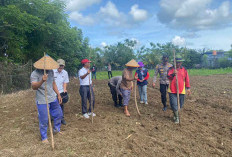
165 108
121 105
63 122
117 105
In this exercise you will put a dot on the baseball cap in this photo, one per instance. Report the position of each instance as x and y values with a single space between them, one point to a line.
85 61
61 62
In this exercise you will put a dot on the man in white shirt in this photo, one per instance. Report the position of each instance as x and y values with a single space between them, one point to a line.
61 79
85 88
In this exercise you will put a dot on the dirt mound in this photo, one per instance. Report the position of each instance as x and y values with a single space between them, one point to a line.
206 128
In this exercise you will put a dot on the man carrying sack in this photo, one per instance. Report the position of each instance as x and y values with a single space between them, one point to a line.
127 83
38 80
86 88
162 70
62 80
114 84
183 83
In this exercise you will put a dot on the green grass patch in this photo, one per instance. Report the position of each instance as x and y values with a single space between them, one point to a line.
103 75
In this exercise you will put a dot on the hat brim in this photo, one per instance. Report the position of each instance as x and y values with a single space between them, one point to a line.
86 62
132 66
180 60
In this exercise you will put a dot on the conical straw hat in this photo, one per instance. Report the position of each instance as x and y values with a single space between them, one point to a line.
46 63
132 63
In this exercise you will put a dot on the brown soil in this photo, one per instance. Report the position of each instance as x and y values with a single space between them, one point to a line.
206 124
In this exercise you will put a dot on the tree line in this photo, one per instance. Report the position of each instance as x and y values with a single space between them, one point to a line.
28 28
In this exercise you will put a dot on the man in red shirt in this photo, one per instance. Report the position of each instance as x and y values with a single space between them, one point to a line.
183 83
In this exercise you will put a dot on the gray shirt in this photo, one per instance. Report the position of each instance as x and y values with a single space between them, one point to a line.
37 76
116 82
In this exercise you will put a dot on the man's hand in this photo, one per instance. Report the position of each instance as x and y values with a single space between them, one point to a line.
188 92
59 98
89 71
153 85
45 77
175 72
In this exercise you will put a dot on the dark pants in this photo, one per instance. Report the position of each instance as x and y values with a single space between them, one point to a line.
62 107
109 74
94 75
115 96
173 101
85 94
163 91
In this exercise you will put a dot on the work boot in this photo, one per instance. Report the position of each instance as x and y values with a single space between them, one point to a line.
176 117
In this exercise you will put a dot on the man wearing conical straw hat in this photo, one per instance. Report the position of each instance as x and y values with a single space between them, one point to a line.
127 83
38 80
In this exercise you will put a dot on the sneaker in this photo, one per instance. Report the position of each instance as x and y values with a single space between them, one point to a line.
141 102
146 103
63 122
89 114
165 108
86 115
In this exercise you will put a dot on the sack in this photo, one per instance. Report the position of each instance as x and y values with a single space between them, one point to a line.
64 97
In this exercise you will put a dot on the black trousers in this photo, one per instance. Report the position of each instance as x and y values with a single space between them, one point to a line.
163 91
85 94
115 96
110 74
62 107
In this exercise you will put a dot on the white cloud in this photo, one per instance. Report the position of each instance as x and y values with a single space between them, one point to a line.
178 41
103 44
138 14
194 14
108 15
112 16
110 10
78 5
79 18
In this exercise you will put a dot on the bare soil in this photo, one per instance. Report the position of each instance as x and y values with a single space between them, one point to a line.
206 124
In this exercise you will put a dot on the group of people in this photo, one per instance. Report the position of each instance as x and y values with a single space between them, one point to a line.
121 86
50 77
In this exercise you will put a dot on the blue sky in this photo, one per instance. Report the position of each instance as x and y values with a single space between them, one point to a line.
192 23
